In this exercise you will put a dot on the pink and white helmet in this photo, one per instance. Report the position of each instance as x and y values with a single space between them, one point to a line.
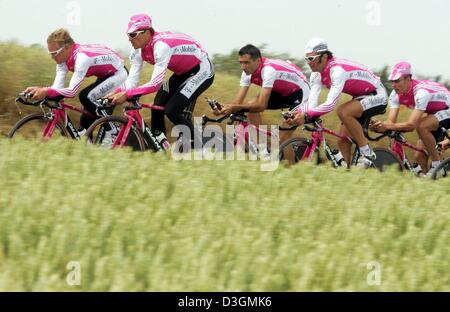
400 70
138 22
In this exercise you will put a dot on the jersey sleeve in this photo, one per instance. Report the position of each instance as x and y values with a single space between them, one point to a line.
82 65
245 80
338 79
136 64
394 101
316 88
422 98
162 54
60 78
268 75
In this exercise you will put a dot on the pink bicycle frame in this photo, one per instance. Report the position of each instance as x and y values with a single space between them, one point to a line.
317 140
60 114
243 133
397 147
133 116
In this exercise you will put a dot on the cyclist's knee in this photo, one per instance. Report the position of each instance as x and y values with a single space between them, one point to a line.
342 112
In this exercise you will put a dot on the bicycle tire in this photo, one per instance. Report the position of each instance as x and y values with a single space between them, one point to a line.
36 130
135 139
443 165
386 158
297 145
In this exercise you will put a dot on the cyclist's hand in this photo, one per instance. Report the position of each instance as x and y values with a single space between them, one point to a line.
31 90
226 110
40 94
298 119
373 122
444 144
379 127
118 98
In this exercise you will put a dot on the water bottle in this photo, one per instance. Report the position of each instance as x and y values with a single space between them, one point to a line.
339 158
162 140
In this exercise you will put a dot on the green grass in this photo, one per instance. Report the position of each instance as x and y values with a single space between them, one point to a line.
143 222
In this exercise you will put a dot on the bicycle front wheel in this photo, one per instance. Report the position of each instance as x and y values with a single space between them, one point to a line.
33 126
96 134
386 158
293 150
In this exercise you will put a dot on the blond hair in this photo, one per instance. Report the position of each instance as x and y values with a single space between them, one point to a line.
60 36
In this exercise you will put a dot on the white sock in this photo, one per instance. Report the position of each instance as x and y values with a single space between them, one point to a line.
365 150
436 163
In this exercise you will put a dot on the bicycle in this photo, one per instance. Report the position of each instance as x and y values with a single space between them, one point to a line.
241 137
44 124
131 130
304 149
398 142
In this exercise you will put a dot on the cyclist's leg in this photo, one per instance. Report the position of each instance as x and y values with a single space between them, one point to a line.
198 81
345 146
354 112
161 98
429 131
97 90
421 158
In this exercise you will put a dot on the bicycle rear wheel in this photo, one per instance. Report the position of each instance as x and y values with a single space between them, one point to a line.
386 158
32 127
96 133
443 165
293 150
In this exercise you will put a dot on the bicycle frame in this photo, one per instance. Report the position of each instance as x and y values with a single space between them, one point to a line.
397 147
243 134
57 113
134 118
60 114
318 138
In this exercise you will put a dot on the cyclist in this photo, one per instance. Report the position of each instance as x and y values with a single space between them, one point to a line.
283 86
193 72
84 60
430 102
343 76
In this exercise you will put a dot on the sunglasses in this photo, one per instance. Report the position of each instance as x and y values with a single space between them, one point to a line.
311 58
56 53
135 34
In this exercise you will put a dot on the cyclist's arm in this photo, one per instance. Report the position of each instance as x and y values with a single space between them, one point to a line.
394 108
338 79
82 64
136 63
421 98
162 53
315 81
409 125
241 96
60 78
268 75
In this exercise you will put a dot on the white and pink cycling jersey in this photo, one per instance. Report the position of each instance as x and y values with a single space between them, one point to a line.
84 61
283 77
427 96
168 50
340 76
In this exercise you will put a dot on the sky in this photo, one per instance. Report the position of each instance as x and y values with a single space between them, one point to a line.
371 32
